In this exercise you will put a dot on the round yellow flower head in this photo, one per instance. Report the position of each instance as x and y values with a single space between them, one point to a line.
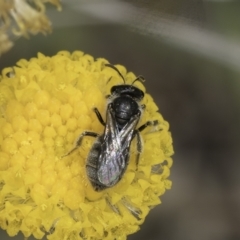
46 104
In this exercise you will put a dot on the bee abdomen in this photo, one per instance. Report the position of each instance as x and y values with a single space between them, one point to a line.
92 165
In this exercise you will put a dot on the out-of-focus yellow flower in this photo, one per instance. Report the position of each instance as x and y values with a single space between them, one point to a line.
22 17
46 103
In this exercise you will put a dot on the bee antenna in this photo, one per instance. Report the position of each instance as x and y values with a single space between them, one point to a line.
139 79
113 67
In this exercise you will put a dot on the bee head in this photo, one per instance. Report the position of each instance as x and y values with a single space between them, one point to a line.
127 90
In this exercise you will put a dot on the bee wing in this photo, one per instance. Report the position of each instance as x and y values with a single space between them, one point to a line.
115 150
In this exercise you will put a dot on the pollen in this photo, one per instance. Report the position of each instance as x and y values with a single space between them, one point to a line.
46 103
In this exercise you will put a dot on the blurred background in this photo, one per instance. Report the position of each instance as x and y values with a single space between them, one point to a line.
189 53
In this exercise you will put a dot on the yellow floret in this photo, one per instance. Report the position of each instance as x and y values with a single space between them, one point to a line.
46 103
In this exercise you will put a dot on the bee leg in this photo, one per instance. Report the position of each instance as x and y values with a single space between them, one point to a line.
99 116
148 123
79 141
139 140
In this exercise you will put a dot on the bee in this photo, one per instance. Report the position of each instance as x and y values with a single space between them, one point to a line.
109 156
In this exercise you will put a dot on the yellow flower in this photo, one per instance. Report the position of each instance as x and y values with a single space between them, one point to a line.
29 19
46 103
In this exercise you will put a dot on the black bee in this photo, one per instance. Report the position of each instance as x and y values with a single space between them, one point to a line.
109 156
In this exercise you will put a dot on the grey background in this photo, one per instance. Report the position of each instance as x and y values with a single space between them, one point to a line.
194 78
